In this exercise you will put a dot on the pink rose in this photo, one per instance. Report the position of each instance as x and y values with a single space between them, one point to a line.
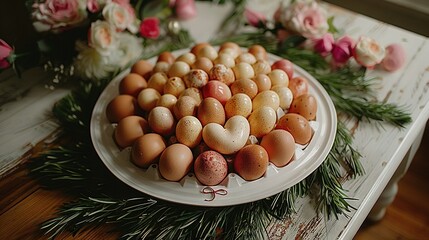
185 9
6 52
368 52
342 49
102 37
56 15
255 19
394 59
149 28
324 45
305 18
95 5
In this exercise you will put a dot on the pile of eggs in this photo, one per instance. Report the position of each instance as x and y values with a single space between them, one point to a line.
212 112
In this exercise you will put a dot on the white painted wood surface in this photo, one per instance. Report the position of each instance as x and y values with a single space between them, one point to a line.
25 119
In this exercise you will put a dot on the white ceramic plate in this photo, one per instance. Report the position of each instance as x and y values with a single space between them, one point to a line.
233 190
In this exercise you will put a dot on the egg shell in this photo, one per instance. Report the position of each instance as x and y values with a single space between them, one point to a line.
305 105
148 98
178 69
197 47
278 78
225 59
217 89
129 129
285 65
211 111
258 51
210 168
157 81
185 106
261 67
285 96
297 125
195 93
227 139
245 57
298 86
143 68
280 146
188 58
189 131
263 82
232 46
251 162
243 70
132 84
245 86
175 162
167 100
222 73
166 57
203 63
147 149
174 86
208 52
267 98
262 121
239 104
161 67
196 78
162 121
121 106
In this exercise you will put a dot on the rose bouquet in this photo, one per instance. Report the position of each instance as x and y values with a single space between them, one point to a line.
305 23
93 39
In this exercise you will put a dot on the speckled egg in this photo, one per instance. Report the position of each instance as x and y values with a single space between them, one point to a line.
189 131
239 104
262 121
210 168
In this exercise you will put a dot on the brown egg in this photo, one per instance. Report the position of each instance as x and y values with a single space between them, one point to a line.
259 52
280 147
185 106
143 68
210 168
148 98
251 162
162 121
245 86
222 73
239 104
167 100
121 106
263 82
174 86
129 129
298 86
211 111
147 149
195 93
297 125
261 67
189 131
132 84
262 121
203 63
197 47
178 69
175 162
157 81
166 57
208 52
231 45
188 58
196 78
161 67
305 105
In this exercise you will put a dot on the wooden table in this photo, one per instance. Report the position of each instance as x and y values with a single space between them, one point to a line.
26 125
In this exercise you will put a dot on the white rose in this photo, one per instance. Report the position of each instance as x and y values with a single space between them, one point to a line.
368 52
102 37
119 16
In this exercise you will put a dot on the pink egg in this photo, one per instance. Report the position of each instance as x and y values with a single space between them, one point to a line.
284 65
217 89
210 168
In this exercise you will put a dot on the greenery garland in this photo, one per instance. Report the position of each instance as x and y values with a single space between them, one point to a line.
76 167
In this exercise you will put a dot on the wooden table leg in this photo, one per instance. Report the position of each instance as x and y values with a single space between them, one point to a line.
389 193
